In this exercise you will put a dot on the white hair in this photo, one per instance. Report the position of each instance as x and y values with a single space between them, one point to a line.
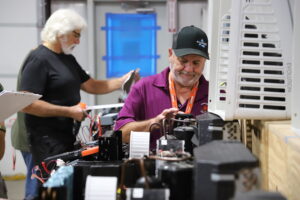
60 23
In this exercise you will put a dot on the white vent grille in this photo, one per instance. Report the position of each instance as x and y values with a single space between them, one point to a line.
254 68
222 75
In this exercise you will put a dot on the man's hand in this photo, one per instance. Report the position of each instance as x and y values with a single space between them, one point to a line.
146 124
129 79
165 114
137 75
77 112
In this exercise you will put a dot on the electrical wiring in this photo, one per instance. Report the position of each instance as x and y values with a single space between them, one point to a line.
167 125
43 171
84 136
91 131
38 178
35 170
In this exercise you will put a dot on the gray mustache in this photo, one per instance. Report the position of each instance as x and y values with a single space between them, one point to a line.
188 73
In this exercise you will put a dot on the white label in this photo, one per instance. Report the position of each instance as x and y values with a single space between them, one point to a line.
138 193
164 142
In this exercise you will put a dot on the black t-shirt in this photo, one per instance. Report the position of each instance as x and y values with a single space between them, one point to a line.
58 78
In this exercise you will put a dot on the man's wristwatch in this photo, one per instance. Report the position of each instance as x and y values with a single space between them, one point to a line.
2 128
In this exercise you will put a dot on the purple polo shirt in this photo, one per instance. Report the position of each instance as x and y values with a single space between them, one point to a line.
150 96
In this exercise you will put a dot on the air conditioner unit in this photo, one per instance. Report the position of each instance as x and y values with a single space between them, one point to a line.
251 78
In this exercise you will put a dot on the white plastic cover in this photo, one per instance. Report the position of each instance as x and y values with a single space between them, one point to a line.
253 71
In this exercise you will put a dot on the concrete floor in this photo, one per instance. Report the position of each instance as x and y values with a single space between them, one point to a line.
15 189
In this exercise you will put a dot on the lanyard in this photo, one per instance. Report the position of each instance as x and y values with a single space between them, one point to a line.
174 97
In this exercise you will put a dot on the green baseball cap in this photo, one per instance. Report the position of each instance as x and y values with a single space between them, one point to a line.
190 40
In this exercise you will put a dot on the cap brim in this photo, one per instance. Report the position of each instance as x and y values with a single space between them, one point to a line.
183 52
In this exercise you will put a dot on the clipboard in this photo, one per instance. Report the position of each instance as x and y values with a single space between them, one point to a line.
12 102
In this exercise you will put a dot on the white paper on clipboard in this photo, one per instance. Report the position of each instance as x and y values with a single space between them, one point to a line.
12 102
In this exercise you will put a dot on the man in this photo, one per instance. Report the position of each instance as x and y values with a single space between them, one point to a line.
180 87
3 190
19 141
2 133
51 70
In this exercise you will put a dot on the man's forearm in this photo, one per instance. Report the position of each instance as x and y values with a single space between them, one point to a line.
102 86
114 84
44 109
135 126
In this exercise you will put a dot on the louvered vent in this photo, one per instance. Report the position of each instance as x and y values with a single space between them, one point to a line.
222 75
255 61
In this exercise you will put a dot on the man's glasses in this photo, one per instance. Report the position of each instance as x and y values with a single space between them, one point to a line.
76 34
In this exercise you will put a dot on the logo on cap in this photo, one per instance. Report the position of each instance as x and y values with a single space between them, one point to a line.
202 43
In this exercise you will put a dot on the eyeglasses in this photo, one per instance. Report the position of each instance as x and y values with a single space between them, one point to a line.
76 34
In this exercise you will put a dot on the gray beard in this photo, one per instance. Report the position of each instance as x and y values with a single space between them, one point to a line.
184 83
68 49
